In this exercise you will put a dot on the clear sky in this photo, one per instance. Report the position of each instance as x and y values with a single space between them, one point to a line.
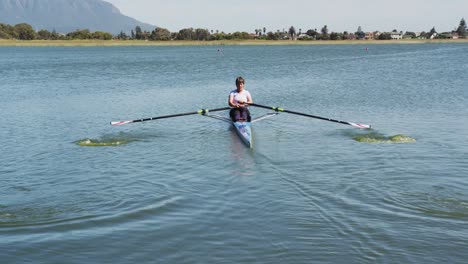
338 15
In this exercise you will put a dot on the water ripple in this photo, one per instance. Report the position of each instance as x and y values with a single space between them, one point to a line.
35 220
429 205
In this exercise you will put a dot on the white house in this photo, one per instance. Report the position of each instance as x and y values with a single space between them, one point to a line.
396 35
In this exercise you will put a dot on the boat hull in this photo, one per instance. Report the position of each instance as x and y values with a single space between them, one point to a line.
244 130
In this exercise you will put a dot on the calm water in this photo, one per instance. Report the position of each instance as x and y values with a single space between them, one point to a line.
186 190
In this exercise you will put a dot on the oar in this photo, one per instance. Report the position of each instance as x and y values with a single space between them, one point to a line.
278 109
200 112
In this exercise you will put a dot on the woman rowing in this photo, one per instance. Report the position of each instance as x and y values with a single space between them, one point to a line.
239 100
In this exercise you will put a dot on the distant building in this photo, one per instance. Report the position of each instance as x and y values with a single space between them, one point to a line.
396 35
369 35
407 36
303 36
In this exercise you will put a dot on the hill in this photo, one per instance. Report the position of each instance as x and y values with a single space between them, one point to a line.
65 16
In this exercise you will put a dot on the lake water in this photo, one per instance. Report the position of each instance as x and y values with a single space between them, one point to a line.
75 189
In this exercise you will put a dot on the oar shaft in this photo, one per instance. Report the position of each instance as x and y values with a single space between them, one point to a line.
201 112
318 117
279 109
162 117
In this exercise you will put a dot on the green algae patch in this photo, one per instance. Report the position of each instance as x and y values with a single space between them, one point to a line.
379 138
87 142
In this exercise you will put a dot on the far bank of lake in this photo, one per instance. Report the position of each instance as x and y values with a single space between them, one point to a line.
36 43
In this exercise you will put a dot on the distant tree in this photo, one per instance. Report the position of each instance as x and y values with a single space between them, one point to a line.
273 36
292 33
335 36
100 35
139 33
240 35
4 35
461 30
186 34
432 33
146 35
360 34
264 30
409 34
221 35
25 31
132 34
122 36
160 34
324 34
385 36
55 36
444 35
7 32
345 35
312 33
202 34
44 34
79 34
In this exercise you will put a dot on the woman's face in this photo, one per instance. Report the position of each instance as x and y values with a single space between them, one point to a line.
240 87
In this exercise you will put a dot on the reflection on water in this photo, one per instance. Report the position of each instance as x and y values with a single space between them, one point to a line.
241 166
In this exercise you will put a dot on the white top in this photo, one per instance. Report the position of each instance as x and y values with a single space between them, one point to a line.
243 96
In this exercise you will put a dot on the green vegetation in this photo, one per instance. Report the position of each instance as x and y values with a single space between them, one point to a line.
25 31
461 30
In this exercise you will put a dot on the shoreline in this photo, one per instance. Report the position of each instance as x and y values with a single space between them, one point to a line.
110 43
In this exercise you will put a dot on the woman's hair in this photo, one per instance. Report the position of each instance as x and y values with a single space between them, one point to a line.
239 80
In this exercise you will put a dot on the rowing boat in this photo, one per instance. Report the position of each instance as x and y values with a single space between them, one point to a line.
244 130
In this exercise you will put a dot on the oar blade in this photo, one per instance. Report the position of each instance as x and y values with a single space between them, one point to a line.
363 126
118 123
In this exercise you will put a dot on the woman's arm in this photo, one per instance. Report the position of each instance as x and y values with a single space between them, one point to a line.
249 99
231 101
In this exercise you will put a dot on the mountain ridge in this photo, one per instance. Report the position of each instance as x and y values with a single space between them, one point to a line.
65 16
